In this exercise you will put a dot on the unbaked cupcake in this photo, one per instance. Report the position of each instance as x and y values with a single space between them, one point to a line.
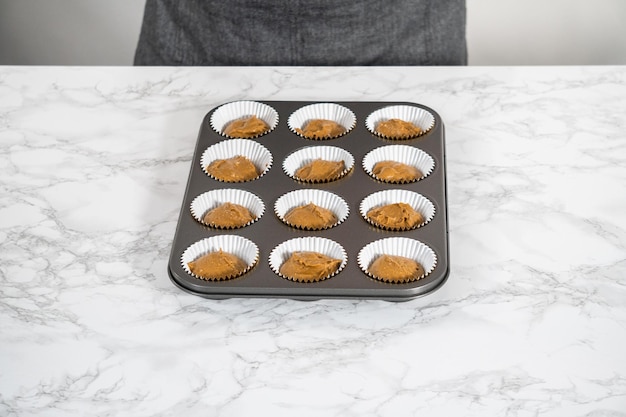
308 259
244 119
398 164
311 209
400 122
220 258
321 121
236 160
318 164
227 208
397 210
397 260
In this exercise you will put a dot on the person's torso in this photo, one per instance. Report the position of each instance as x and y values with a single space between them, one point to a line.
315 32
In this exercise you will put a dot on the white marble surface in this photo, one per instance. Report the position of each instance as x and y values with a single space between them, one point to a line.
532 321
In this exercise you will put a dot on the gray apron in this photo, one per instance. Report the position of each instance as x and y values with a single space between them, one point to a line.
303 32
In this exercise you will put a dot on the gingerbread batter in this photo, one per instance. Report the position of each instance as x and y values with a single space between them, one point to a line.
311 216
246 127
217 266
309 266
320 170
394 268
228 215
392 171
235 169
396 216
396 128
321 129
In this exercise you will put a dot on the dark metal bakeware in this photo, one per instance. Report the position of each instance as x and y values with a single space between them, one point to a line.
353 234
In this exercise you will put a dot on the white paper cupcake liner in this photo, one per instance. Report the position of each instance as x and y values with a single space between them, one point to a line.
239 246
405 154
397 246
413 114
212 199
327 111
235 110
327 247
254 151
417 201
306 155
324 199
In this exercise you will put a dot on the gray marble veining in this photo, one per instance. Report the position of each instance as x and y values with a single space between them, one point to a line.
532 321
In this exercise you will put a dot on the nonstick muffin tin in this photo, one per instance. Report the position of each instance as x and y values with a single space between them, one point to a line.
352 234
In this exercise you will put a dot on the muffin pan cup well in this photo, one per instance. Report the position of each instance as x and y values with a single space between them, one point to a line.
352 234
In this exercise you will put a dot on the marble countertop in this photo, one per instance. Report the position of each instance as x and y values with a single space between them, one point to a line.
531 322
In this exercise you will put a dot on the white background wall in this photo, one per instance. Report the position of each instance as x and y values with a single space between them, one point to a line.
499 32
546 32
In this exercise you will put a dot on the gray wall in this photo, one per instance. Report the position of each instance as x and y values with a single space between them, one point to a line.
69 32
546 32
499 32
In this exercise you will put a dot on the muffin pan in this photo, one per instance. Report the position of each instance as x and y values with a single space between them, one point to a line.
354 237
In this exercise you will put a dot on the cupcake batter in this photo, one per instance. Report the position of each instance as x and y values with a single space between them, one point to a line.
320 170
228 215
311 216
309 266
397 216
235 169
217 266
392 171
396 269
396 128
321 129
246 127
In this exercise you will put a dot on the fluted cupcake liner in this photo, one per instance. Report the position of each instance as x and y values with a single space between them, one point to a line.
236 110
325 111
413 114
212 199
397 246
239 246
405 154
301 157
327 247
260 156
417 201
321 198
